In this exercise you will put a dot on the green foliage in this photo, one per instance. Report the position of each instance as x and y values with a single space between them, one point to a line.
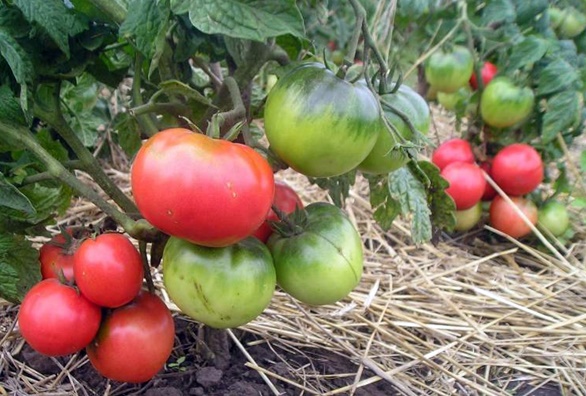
19 267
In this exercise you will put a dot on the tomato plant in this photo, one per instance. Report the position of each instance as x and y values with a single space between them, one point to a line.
319 261
448 70
453 150
56 320
553 216
286 200
221 287
209 191
517 169
504 104
503 216
108 270
320 124
134 341
467 183
466 219
487 73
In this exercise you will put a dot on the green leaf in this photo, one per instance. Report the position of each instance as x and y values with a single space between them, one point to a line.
128 132
527 52
557 76
19 63
147 24
498 11
338 187
385 207
583 161
247 19
54 17
81 96
562 111
10 109
54 147
19 267
12 198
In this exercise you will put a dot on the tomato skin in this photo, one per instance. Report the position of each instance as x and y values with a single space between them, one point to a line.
553 216
488 71
503 104
320 124
467 183
209 191
322 264
453 150
452 101
56 320
286 200
221 287
134 341
572 24
504 218
517 169
447 71
54 257
466 219
108 270
381 159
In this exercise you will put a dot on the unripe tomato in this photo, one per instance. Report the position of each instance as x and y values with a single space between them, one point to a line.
56 320
488 71
320 124
517 169
503 104
209 191
467 183
449 70
466 219
553 216
108 270
453 150
503 217
453 100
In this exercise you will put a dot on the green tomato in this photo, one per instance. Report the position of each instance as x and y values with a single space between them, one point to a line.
553 216
466 219
220 287
503 104
556 16
383 159
572 24
447 71
319 124
451 101
321 263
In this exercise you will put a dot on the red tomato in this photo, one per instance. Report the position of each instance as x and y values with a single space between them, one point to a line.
56 320
55 256
489 192
108 270
467 183
286 199
517 169
210 192
134 341
453 150
504 217
488 71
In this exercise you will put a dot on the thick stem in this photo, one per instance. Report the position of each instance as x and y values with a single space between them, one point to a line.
172 108
142 247
54 117
147 125
43 176
114 9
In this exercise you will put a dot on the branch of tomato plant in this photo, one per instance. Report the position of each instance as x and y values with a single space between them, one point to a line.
53 116
142 248
214 78
138 229
43 176
113 8
236 113
147 124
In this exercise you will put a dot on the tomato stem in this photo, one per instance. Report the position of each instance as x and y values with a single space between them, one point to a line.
147 124
142 248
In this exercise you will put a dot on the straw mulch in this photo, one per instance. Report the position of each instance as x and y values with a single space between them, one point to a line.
476 314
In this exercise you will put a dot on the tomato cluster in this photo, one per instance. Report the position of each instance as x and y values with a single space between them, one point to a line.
90 298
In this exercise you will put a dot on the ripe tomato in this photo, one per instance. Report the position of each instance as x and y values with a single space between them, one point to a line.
517 169
467 183
286 200
553 216
448 70
503 104
320 124
56 256
488 71
56 320
323 262
489 191
382 159
134 341
453 150
209 191
466 219
504 218
221 287
108 270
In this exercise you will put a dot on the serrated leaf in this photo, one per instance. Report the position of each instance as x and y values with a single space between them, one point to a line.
527 52
147 24
19 267
255 20
177 87
562 111
54 17
338 187
128 132
11 197
557 76
10 109
386 209
19 63
81 96
498 11
53 147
